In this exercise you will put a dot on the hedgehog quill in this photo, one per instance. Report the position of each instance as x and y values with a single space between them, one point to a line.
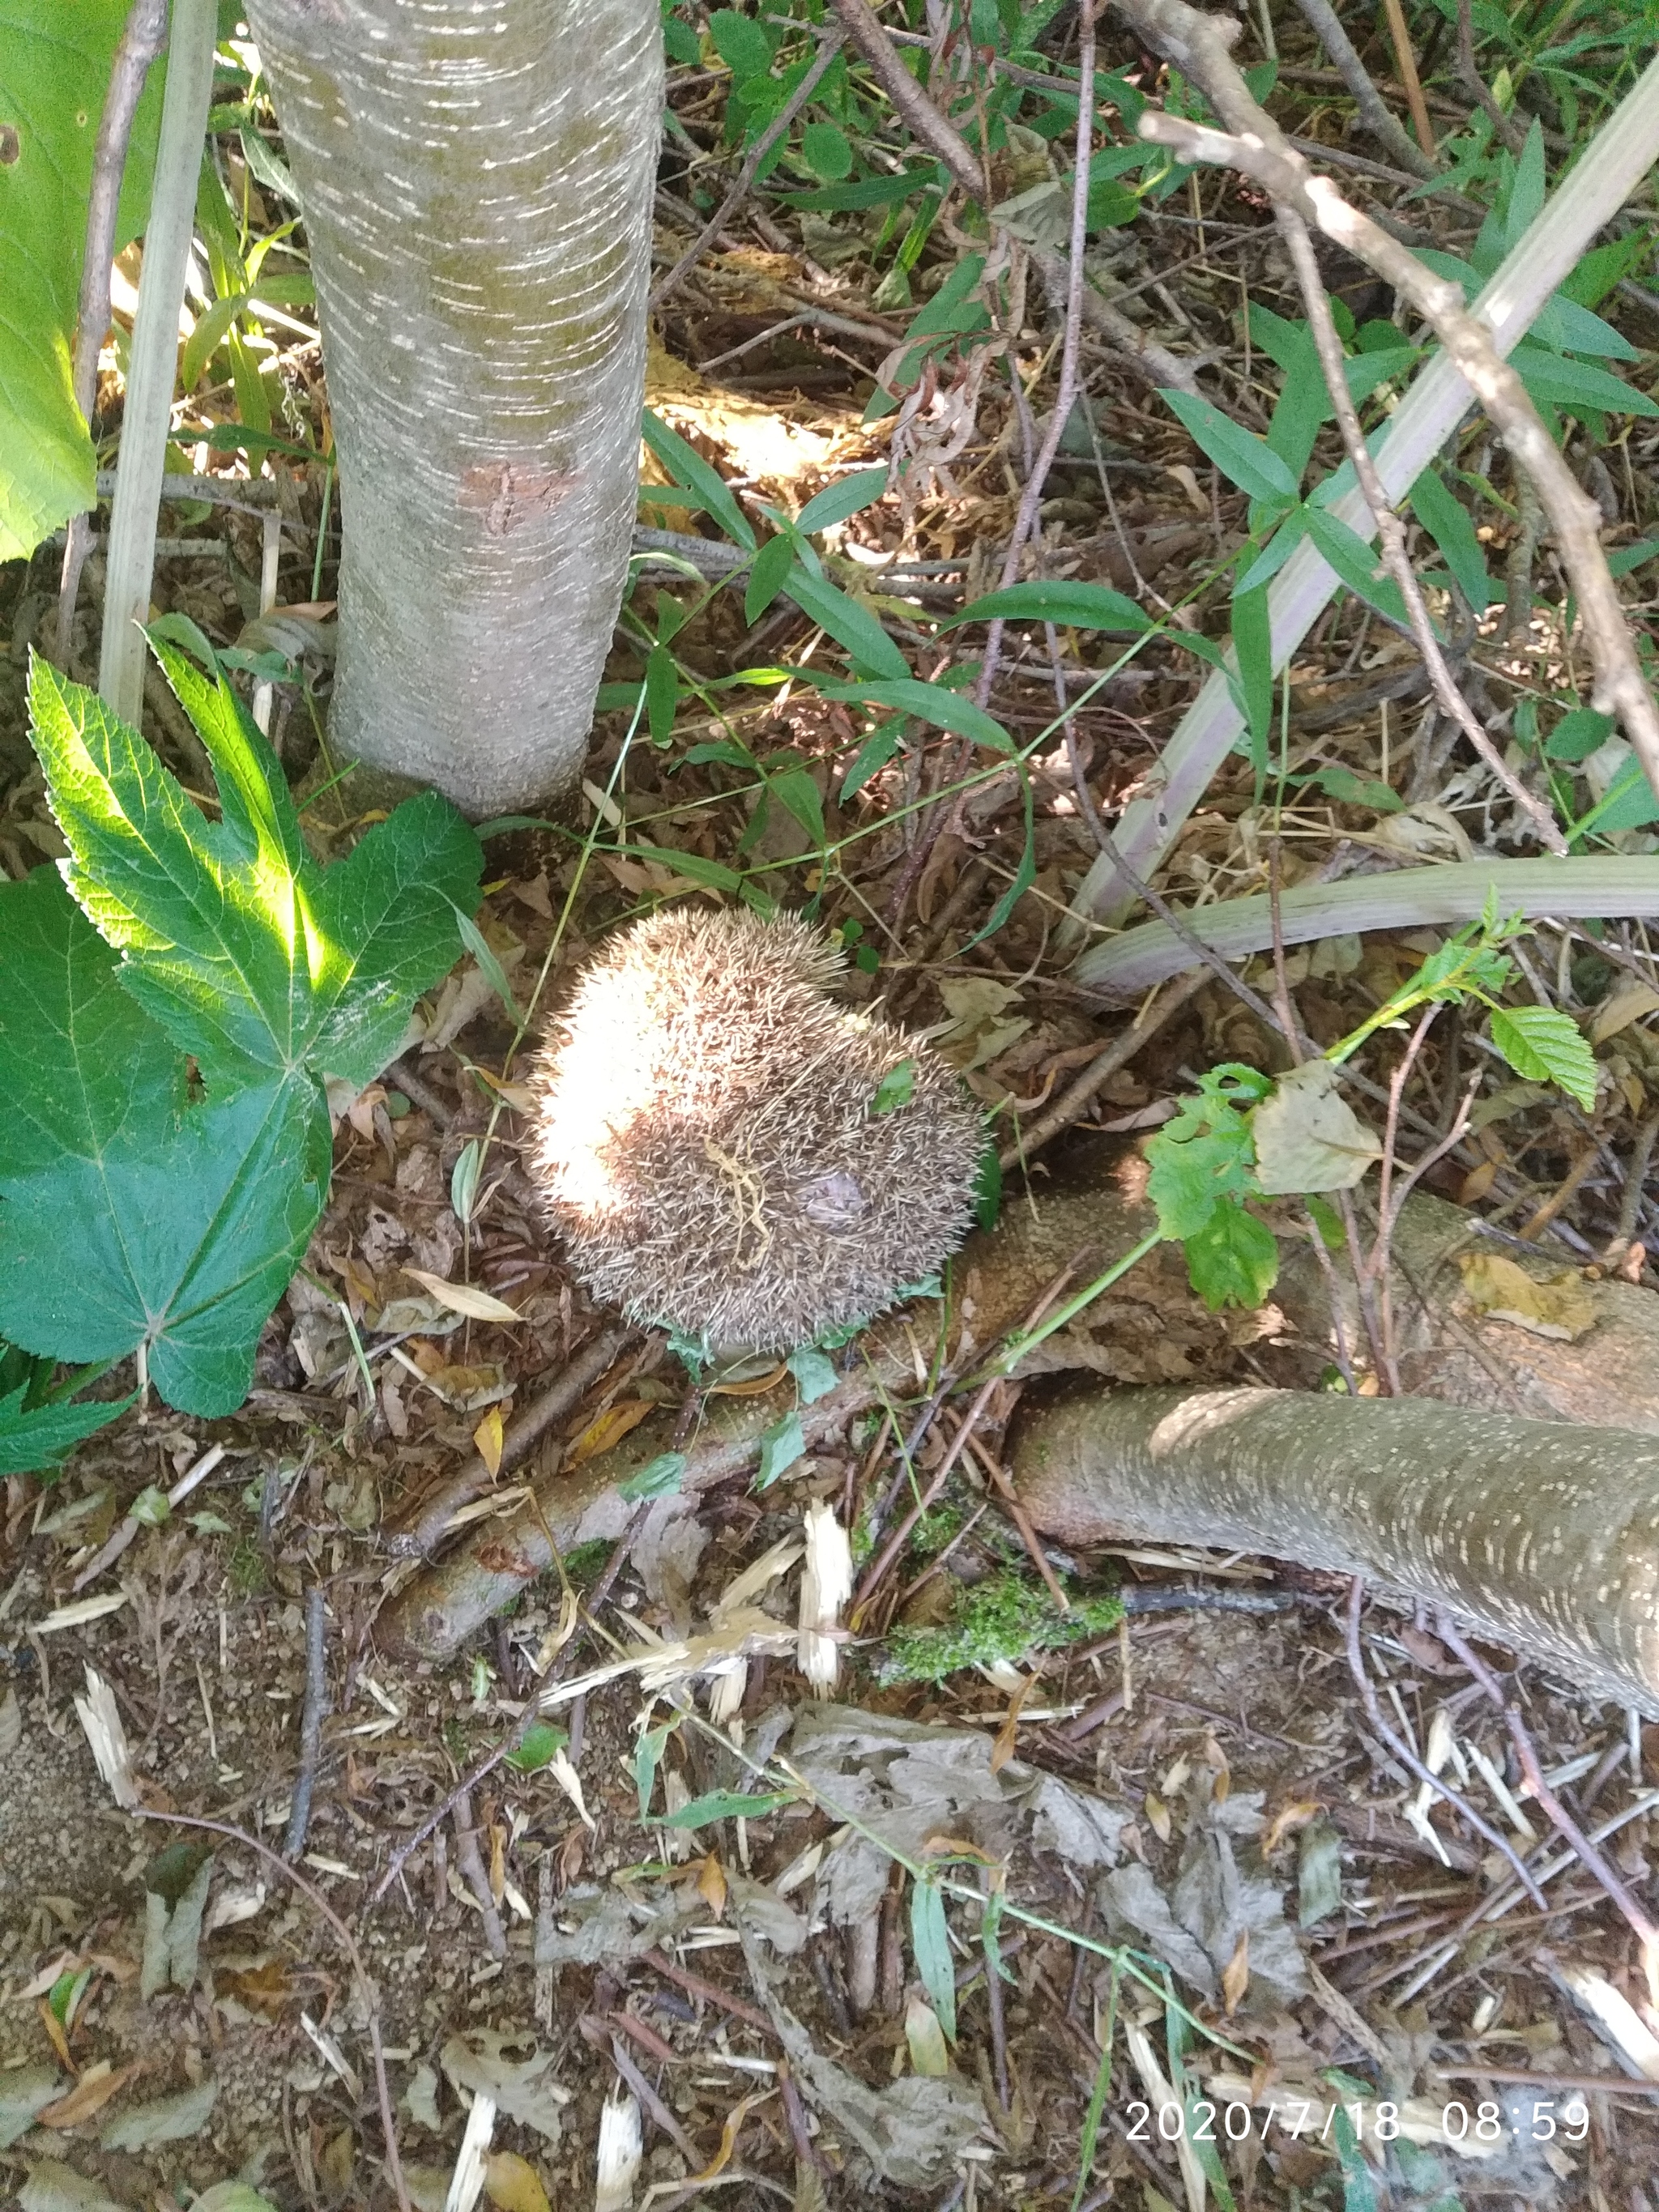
712 1137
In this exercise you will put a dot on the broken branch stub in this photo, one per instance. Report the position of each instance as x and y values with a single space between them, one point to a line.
1542 1536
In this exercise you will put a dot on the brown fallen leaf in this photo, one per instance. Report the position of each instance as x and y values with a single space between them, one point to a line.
1235 1974
90 2094
1557 1306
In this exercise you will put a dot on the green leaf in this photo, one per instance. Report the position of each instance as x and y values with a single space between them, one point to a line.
657 1478
133 1214
930 1939
688 467
647 1757
714 873
1242 457
537 1747
40 1436
1448 522
1024 875
54 69
1253 644
866 193
724 1805
851 624
791 784
1074 606
249 954
771 565
662 693
1577 735
815 1374
1233 1260
928 702
489 966
849 495
1205 1156
872 755
1543 1045
826 150
1357 564
1577 384
987 1188
741 43
896 1088
781 1446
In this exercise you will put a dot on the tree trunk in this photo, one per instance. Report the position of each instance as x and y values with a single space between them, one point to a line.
477 183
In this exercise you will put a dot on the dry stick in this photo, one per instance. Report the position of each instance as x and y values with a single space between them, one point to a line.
1075 1101
1402 1751
1636 1177
1382 124
1505 125
1647 1934
1391 532
1401 39
757 153
472 1865
311 1725
1066 395
573 1380
365 1987
911 104
1261 153
140 42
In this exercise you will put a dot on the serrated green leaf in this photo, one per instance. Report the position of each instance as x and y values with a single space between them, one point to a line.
1076 606
1242 457
1232 1261
657 1478
252 958
724 1805
133 1214
849 495
815 1374
42 1435
54 71
1544 1045
851 625
930 1939
781 1446
741 43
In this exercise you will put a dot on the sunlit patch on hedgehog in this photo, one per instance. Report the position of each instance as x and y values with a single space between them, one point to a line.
706 1136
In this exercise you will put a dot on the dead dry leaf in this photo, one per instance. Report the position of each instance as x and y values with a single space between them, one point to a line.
1307 1135
610 1428
1630 1003
463 1299
90 2094
489 1437
165 2120
1557 1306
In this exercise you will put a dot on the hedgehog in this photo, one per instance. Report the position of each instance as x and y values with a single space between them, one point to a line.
707 1136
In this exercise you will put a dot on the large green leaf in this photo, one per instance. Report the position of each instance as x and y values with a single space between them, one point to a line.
34 1437
250 956
130 1213
54 68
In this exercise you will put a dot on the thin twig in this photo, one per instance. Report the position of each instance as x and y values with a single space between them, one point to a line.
140 41
1595 1862
1408 1759
471 1866
1074 1101
1391 532
1399 35
1254 144
311 1724
1383 126
757 153
1505 125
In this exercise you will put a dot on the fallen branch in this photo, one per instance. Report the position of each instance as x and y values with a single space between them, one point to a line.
1608 886
1610 168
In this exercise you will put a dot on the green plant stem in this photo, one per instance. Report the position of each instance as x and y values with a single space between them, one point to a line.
153 363
1017 1348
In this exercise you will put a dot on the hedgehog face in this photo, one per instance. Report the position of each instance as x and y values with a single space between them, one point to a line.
706 1136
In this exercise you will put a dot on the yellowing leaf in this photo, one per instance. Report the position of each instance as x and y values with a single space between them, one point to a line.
511 2184
1558 1306
928 2053
488 1437
1307 1135
610 1428
1235 1974
462 1298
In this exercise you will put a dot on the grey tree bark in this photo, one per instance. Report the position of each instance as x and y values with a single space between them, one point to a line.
477 177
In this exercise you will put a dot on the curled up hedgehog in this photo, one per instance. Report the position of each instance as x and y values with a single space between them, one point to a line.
708 1138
